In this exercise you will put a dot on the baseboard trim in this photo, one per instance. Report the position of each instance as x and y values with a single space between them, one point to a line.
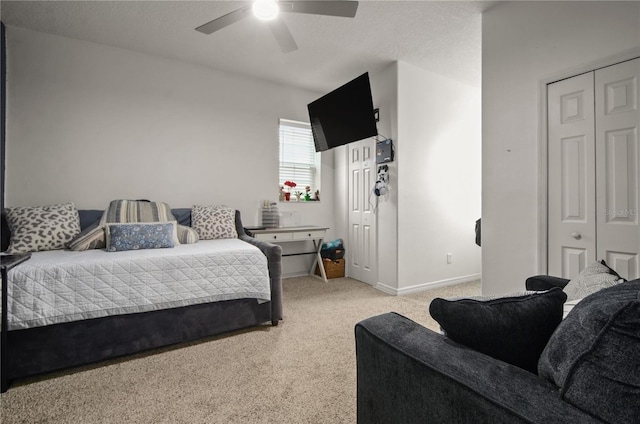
427 286
295 274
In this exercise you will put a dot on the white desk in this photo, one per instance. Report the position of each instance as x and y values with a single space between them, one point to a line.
299 233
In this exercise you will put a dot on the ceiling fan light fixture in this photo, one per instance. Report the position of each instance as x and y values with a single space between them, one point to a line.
265 10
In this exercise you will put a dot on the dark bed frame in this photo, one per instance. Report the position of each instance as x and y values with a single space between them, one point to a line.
55 347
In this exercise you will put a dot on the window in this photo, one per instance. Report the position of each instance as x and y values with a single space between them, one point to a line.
299 161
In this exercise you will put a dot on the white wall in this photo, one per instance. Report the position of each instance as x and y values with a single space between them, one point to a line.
384 87
523 44
89 123
439 174
434 182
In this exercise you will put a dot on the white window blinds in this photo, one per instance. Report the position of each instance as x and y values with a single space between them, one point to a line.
299 161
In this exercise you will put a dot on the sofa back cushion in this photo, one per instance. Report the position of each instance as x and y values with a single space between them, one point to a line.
594 354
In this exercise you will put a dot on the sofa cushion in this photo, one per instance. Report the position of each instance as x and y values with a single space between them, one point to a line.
88 217
593 355
514 329
183 216
214 222
596 276
40 228
141 235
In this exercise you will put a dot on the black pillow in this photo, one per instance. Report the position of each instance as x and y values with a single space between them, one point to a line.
513 329
594 354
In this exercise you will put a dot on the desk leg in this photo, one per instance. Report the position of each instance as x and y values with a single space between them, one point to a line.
317 244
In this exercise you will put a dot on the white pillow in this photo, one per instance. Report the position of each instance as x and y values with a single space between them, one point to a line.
593 278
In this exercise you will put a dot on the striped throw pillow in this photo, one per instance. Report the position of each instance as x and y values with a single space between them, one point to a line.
130 211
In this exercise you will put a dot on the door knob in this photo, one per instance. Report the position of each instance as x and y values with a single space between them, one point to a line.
576 235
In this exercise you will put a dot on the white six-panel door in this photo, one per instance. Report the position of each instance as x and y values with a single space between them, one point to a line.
617 163
571 213
362 221
593 171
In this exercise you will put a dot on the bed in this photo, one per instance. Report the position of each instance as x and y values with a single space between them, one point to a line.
104 305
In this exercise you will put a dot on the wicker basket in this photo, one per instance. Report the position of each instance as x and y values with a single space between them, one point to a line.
333 269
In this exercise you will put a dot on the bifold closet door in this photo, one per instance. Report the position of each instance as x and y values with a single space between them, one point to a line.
617 166
593 171
571 175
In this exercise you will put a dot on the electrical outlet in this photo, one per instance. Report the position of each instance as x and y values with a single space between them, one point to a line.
449 258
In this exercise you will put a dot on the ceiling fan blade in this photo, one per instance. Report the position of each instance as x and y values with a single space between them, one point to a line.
345 9
283 35
224 20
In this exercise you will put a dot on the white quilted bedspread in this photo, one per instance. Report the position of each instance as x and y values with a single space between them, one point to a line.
62 286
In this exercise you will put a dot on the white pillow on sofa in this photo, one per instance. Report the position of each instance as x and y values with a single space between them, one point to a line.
593 278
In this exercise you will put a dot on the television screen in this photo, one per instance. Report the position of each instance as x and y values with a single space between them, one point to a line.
344 115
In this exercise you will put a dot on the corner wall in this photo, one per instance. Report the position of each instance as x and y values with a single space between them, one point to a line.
523 44
439 174
434 186
384 86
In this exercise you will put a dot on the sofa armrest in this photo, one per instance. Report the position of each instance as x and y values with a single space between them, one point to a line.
408 374
545 282
273 252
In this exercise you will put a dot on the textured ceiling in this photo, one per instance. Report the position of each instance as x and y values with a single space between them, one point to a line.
439 36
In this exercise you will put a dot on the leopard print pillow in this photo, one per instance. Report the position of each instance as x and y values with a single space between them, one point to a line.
40 228
214 222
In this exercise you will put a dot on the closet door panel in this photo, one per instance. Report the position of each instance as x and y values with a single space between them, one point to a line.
571 213
617 167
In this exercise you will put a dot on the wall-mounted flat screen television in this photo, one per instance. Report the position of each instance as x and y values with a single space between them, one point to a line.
344 115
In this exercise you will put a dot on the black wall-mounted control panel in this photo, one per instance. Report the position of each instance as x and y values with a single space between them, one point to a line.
384 151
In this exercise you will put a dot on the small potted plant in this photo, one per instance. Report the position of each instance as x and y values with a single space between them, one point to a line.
290 185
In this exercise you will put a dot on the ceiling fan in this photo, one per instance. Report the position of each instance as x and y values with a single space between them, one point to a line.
268 10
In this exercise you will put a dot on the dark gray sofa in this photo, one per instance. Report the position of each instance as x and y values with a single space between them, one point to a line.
407 373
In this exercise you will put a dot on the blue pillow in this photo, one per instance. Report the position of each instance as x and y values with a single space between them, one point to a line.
141 235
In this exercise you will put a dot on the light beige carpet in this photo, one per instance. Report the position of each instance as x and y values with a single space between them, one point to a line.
302 371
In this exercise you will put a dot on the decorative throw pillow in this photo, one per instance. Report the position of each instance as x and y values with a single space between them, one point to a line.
187 235
513 329
136 236
593 354
596 276
123 210
91 237
129 211
40 228
214 222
